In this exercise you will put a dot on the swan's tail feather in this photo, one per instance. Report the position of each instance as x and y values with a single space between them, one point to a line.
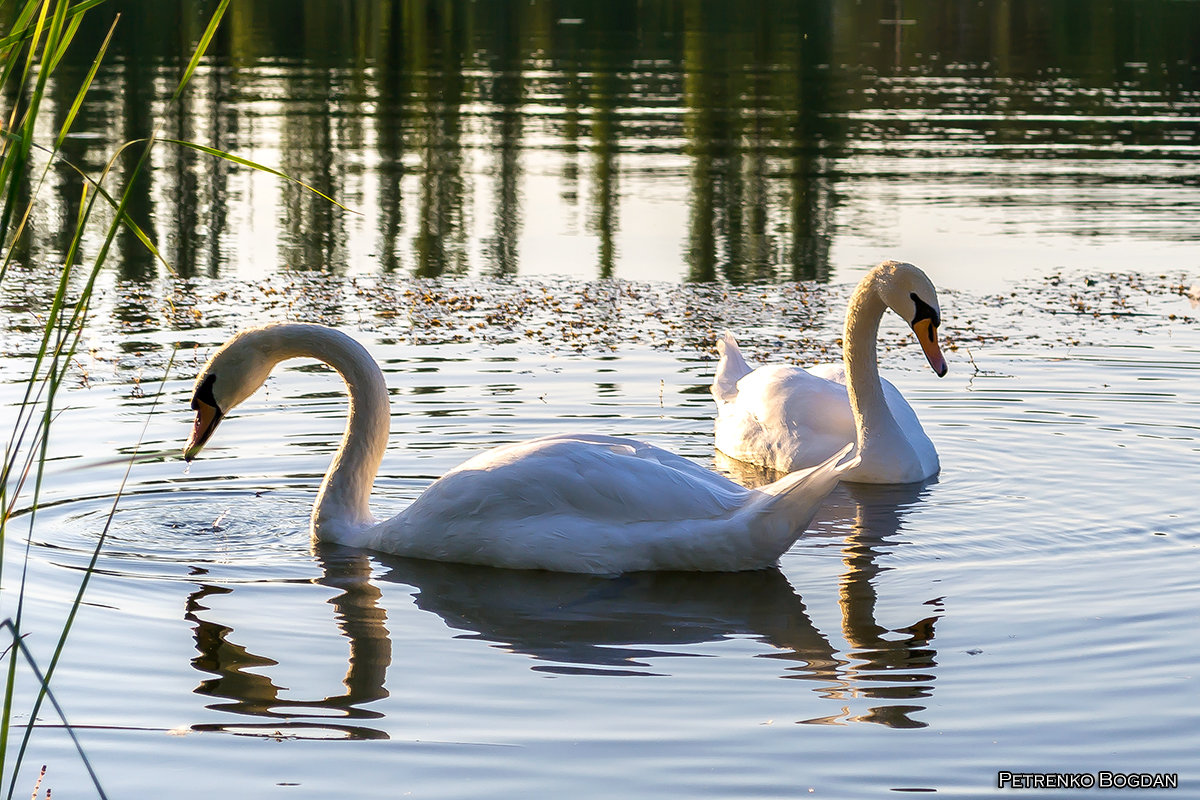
784 509
730 369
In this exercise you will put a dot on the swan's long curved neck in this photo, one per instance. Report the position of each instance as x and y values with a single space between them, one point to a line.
861 358
343 499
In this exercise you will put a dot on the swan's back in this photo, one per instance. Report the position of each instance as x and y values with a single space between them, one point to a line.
619 480
601 504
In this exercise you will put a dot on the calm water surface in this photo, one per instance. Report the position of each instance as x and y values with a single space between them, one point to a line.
557 207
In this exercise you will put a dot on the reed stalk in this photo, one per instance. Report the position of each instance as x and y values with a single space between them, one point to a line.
38 34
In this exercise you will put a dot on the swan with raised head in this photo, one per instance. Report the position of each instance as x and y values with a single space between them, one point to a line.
789 418
569 503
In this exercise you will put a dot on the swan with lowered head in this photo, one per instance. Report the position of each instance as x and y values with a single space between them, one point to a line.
788 418
569 503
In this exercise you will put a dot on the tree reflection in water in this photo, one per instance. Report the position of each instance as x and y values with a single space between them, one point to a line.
756 139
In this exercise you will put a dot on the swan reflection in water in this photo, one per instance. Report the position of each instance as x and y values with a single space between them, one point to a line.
881 667
878 665
246 691
582 624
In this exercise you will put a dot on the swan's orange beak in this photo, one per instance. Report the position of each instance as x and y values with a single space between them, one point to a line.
207 418
926 333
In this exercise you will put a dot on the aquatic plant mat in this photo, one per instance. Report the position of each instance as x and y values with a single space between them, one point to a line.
798 322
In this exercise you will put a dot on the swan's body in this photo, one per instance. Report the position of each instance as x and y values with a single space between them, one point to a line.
788 418
570 503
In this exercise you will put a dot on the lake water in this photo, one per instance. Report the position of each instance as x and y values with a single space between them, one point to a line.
578 208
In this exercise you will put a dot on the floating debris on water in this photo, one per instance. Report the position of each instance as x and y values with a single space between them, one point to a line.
135 325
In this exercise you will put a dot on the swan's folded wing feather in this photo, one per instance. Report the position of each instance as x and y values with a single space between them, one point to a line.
593 476
731 368
592 504
786 417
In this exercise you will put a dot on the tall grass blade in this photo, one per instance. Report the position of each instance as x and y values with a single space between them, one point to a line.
31 50
201 48
44 692
68 36
44 682
245 162
17 36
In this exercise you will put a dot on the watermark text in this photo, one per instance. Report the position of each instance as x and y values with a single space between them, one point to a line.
1103 779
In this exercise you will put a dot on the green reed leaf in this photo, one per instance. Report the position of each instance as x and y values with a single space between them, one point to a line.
245 162
201 48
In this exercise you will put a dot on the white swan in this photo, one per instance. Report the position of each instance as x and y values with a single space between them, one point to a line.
570 503
787 418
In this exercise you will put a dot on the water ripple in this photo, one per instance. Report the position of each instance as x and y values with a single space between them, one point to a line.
166 533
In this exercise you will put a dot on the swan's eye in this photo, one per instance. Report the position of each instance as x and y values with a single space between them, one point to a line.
204 394
924 311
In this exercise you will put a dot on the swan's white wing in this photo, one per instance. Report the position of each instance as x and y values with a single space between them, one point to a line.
903 458
786 417
731 368
905 416
621 480
572 503
603 505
